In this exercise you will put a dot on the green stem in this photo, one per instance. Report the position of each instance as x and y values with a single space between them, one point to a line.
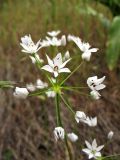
72 73
57 102
68 148
67 105
74 87
77 91
37 93
59 122
111 156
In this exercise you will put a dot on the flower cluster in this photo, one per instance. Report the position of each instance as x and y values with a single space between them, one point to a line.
56 86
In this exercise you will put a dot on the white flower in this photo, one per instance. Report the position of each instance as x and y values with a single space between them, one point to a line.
95 94
63 40
92 150
75 39
110 135
44 43
51 94
84 47
59 133
40 84
72 136
92 122
21 93
87 51
37 57
28 45
53 41
66 56
31 87
95 85
80 116
56 65
53 33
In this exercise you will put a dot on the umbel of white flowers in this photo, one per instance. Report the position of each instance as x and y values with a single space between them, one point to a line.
81 117
21 93
93 151
59 133
56 66
95 85
84 47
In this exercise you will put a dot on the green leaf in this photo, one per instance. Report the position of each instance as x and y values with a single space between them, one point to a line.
6 84
113 45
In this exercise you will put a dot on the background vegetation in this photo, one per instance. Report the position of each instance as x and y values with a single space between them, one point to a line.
26 127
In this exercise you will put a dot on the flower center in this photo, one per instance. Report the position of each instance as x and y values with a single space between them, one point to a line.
93 151
56 68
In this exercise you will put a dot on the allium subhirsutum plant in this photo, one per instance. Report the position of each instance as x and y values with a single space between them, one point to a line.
57 72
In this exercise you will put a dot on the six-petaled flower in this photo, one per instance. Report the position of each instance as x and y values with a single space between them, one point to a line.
56 66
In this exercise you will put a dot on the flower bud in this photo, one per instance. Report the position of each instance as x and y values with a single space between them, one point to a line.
80 116
59 133
63 40
21 93
72 136
110 135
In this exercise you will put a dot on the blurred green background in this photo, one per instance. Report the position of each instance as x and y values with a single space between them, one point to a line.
26 128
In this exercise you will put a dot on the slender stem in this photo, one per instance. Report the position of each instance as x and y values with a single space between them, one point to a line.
68 148
59 122
68 106
111 156
57 102
39 93
72 73
77 91
76 87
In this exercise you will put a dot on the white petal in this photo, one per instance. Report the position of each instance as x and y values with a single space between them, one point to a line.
94 144
63 40
86 56
55 73
63 65
24 46
91 155
26 51
86 150
97 154
66 56
47 68
50 62
58 60
100 80
99 87
93 49
88 145
64 70
99 148
95 94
